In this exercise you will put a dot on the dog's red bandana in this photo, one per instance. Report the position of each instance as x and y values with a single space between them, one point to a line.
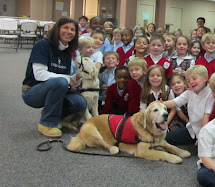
128 135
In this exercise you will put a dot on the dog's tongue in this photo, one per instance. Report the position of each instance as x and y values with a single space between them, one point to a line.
163 126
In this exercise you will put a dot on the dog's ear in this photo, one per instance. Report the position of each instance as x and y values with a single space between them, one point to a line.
142 118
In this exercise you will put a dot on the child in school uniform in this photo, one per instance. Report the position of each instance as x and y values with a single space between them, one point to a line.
97 23
156 47
193 35
83 22
140 47
108 26
206 149
169 46
208 59
155 88
137 69
198 92
117 42
195 49
86 46
138 31
182 61
178 85
126 50
116 101
97 57
107 77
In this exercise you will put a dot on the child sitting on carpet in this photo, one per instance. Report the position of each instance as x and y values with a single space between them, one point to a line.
206 149
137 69
116 101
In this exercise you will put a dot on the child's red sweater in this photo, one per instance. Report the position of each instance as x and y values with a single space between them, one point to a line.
162 62
134 91
114 99
123 57
209 65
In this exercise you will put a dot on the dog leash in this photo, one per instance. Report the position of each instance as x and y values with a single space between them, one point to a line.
49 146
50 141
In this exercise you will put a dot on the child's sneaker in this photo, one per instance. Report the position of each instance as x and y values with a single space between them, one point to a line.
49 131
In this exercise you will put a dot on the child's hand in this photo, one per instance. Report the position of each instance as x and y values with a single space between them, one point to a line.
104 87
196 143
157 101
183 72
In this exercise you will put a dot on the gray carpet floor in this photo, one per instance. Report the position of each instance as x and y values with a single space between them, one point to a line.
22 165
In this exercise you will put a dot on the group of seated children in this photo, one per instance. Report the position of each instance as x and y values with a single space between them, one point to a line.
138 68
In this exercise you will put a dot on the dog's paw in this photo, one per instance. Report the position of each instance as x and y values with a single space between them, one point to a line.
114 150
174 159
184 154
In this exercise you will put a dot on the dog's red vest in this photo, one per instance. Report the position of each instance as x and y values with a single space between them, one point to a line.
129 134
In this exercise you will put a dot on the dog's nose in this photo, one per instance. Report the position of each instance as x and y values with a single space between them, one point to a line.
165 116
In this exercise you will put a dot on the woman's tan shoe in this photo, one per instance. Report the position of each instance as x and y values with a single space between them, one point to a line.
49 131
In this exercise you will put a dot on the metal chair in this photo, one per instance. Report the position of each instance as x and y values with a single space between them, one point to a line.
9 31
46 28
28 31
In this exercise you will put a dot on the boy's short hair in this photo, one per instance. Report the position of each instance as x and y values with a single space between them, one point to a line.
98 31
130 31
137 61
212 82
208 36
83 40
117 31
111 53
118 68
83 17
197 69
201 18
157 37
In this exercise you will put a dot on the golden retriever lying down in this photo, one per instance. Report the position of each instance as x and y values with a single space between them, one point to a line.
149 126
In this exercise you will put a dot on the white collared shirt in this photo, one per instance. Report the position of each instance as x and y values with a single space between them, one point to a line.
155 59
196 110
143 106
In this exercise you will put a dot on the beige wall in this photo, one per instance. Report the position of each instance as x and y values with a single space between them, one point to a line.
190 10
118 4
41 10
76 9
7 8
128 13
23 7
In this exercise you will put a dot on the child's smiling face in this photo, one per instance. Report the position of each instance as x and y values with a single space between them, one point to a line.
126 37
156 47
177 85
122 77
99 40
136 72
196 82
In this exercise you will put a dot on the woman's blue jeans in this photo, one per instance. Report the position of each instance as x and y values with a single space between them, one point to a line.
57 101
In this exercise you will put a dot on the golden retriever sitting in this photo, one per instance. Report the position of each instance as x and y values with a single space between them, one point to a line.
89 89
150 128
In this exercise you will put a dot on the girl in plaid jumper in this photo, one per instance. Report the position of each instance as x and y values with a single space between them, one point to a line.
182 61
178 85
155 88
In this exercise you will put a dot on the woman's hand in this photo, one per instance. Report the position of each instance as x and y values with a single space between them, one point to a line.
78 76
72 85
